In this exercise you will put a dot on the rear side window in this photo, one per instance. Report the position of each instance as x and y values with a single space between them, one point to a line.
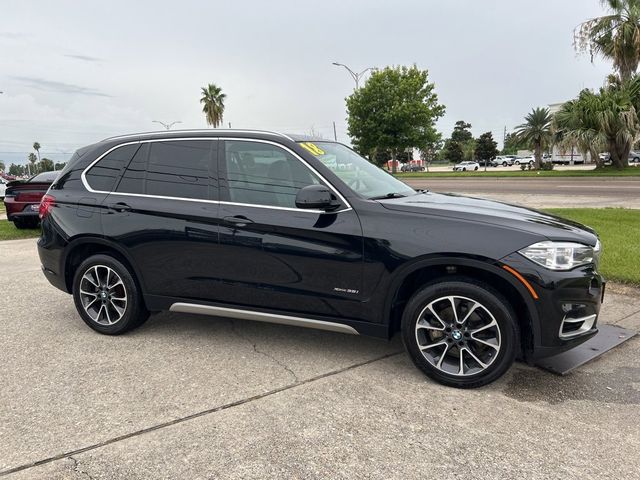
170 169
104 174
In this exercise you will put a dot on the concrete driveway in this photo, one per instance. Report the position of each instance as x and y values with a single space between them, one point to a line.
195 397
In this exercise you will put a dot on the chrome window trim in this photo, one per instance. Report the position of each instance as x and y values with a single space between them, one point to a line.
218 202
215 131
261 317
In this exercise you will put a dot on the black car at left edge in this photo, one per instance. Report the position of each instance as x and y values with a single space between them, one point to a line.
270 227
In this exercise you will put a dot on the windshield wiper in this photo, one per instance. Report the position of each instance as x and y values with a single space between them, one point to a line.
388 195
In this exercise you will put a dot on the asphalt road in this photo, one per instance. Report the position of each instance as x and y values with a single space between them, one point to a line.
196 397
543 192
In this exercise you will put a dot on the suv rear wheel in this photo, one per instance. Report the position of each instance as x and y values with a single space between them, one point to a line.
461 333
107 296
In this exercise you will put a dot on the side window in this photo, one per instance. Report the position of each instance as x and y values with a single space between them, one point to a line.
104 174
133 178
170 169
264 174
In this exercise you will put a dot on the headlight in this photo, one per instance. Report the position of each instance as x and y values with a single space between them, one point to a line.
561 255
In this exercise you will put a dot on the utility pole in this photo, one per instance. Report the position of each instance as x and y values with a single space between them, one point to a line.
356 76
504 138
166 125
229 124
335 135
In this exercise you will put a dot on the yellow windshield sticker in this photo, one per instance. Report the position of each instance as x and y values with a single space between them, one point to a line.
313 148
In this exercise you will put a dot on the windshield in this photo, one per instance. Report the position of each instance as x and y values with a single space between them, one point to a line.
357 172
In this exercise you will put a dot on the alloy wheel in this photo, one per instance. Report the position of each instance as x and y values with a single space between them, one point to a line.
458 336
103 295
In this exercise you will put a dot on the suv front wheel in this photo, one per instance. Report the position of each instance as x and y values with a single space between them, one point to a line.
461 333
107 296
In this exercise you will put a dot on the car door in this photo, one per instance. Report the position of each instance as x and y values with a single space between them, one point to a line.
277 256
164 211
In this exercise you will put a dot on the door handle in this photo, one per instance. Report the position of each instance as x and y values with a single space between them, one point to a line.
238 220
120 207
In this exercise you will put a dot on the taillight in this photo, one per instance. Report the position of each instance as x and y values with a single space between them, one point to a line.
46 204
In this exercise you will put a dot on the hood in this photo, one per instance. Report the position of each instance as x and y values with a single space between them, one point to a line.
494 213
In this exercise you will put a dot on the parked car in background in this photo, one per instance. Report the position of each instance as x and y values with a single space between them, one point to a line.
503 160
22 199
411 168
528 160
466 166
488 163
634 158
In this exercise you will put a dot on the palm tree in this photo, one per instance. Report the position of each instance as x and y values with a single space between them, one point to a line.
32 160
213 104
536 132
618 120
615 36
578 123
36 147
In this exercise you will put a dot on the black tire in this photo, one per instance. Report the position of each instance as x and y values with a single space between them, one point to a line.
134 312
464 169
475 168
494 306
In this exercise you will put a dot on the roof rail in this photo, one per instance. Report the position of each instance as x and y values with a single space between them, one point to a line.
210 130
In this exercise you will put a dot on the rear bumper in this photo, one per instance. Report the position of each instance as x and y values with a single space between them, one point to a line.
51 264
51 249
20 209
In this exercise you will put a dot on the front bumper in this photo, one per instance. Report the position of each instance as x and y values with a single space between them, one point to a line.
566 312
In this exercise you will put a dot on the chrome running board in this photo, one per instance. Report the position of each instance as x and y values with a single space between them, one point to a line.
261 317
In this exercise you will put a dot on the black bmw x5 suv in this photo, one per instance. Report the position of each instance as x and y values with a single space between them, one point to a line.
268 227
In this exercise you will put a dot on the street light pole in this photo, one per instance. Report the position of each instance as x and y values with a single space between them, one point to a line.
166 125
356 76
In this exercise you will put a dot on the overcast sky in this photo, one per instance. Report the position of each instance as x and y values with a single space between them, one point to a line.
75 72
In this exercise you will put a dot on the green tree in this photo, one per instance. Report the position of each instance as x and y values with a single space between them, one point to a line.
59 165
536 132
486 148
469 149
16 170
36 147
578 123
212 101
395 110
46 165
381 156
465 143
461 132
2 165
403 156
430 152
453 152
615 36
511 144
32 160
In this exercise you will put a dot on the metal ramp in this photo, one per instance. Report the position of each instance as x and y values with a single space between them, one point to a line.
608 337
